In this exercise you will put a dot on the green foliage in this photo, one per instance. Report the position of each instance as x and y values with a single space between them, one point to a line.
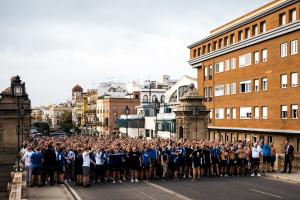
41 126
65 121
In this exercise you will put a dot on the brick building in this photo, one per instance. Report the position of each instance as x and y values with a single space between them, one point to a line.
109 109
248 73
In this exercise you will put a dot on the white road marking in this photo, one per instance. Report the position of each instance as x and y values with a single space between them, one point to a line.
180 196
141 192
266 193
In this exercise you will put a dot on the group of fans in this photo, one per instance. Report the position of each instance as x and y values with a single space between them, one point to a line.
87 159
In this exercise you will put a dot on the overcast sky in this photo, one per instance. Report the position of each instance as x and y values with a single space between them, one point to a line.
56 44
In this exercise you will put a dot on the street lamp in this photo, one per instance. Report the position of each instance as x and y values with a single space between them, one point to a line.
196 112
156 106
18 91
127 111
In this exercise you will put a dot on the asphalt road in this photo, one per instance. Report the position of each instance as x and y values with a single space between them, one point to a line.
252 188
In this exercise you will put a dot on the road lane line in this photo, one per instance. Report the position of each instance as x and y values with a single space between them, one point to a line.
141 192
180 196
266 193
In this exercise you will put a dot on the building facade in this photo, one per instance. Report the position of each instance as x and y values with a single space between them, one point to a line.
248 73
55 112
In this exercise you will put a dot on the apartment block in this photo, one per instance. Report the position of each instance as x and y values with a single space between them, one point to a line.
248 71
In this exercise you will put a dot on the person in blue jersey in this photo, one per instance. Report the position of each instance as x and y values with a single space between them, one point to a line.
146 162
116 161
61 165
215 159
171 161
36 162
181 160
266 151
135 163
154 156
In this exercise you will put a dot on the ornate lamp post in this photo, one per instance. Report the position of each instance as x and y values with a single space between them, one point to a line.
156 106
127 112
18 91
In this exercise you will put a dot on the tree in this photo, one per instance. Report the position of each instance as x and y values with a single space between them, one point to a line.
65 121
41 126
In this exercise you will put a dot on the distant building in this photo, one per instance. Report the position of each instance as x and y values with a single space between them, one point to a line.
55 112
36 115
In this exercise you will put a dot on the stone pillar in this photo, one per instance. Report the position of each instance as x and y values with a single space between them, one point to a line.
8 130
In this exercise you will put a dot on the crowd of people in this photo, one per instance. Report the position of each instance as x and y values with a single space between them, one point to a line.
87 159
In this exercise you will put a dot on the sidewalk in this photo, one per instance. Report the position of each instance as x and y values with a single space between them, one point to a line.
57 192
293 177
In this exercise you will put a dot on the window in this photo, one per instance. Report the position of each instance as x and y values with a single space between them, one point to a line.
283 81
145 99
226 41
203 50
264 112
227 113
264 55
227 65
245 86
232 39
263 27
294 47
245 60
220 43
233 113
227 89
209 48
247 33
219 90
199 51
270 139
282 19
205 73
240 36
294 112
283 50
245 113
284 112
256 85
292 15
233 63
215 45
256 57
219 113
205 94
219 67
254 30
195 53
210 93
265 84
233 88
210 72
256 112
294 79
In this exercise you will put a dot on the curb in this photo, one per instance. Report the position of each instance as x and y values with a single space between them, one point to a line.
283 178
72 191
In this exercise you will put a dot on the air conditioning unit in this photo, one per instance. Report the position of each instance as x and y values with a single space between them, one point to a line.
294 85
265 60
256 62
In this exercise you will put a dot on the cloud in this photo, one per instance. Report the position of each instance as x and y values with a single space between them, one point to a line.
54 45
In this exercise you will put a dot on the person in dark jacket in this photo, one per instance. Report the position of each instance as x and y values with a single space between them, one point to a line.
49 164
288 156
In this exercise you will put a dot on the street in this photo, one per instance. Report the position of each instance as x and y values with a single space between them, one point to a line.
207 188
